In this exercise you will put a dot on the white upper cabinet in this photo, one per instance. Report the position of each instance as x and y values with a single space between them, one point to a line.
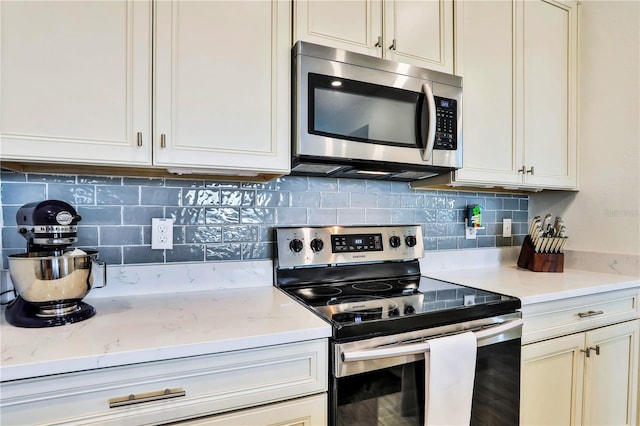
549 95
353 25
518 62
419 33
485 57
415 32
222 89
75 82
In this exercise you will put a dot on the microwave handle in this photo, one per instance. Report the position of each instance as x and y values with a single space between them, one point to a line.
431 131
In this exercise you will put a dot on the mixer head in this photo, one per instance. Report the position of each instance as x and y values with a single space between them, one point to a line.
49 225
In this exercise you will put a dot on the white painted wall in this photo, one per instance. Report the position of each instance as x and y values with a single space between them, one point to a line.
604 216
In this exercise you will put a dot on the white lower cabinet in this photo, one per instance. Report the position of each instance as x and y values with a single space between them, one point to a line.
283 385
307 411
583 378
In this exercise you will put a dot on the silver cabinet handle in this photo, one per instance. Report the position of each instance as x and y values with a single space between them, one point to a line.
146 397
139 138
379 42
589 314
163 141
522 169
393 45
587 351
416 348
530 170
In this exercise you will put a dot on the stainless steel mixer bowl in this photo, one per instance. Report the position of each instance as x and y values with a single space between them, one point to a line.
43 279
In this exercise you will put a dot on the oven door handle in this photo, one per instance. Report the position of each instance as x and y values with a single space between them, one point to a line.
417 348
431 129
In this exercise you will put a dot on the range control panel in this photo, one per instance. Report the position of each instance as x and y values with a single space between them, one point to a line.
334 245
356 243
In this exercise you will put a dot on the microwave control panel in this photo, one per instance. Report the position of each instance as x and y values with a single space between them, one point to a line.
446 124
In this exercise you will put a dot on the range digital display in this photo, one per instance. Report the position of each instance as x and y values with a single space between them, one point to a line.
356 243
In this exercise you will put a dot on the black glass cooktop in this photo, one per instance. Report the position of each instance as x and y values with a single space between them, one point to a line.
376 307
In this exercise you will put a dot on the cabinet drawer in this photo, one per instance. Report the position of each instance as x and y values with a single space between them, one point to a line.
560 317
211 384
309 411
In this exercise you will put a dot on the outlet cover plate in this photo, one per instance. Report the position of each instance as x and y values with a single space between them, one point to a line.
161 234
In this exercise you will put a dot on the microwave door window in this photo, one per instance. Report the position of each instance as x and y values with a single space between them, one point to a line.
362 112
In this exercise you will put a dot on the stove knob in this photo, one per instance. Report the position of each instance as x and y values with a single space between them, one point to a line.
394 241
316 244
394 312
408 310
296 245
410 240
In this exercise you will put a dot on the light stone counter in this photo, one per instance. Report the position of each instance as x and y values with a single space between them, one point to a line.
141 328
536 287
495 270
154 312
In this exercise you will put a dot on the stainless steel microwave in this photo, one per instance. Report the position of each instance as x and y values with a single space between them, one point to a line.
358 116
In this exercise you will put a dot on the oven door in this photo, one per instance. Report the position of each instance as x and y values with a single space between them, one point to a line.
382 380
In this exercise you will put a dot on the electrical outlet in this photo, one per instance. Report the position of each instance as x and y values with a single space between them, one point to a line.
469 233
161 234
506 228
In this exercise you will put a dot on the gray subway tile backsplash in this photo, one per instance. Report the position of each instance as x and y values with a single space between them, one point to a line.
234 221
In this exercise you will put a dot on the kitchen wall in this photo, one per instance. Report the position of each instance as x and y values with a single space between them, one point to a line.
232 221
605 215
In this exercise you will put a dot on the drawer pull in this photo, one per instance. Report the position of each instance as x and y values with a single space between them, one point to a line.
590 314
146 397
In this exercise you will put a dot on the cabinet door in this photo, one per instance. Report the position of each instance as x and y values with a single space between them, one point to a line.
611 375
354 25
76 82
308 411
549 92
552 377
222 93
485 59
419 33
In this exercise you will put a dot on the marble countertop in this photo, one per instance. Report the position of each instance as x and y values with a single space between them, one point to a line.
536 287
141 328
142 315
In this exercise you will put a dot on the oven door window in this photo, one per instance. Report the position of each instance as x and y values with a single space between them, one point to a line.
364 112
395 396
392 396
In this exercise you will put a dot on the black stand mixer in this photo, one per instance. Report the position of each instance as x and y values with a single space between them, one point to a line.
51 278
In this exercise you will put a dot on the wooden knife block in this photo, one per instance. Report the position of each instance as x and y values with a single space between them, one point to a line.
539 262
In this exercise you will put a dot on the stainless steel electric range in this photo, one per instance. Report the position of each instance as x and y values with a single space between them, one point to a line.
366 282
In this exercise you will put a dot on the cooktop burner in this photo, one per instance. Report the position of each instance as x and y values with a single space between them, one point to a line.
372 286
320 294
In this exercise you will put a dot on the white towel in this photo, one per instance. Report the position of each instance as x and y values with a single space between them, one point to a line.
450 368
